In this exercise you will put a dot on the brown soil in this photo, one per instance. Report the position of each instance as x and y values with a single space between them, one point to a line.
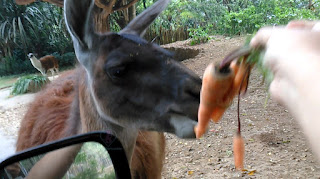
275 145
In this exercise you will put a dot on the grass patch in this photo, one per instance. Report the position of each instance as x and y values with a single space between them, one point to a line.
8 81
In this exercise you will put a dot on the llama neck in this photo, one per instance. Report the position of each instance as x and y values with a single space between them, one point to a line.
36 63
92 121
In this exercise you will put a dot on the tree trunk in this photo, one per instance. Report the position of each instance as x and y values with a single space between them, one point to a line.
132 12
101 17
126 15
102 23
310 5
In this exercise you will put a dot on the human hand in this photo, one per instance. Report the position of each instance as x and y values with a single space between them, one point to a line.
304 24
293 56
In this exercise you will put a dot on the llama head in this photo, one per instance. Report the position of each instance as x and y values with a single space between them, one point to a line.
132 82
30 55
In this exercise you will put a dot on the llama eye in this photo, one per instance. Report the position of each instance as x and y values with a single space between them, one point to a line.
117 72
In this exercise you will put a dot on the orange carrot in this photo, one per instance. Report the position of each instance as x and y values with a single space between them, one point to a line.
238 151
215 86
234 65
217 113
242 73
219 86
238 143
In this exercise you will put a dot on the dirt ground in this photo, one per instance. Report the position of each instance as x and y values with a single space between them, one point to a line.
275 146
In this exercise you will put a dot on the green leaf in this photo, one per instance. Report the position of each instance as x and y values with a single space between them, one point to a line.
14 30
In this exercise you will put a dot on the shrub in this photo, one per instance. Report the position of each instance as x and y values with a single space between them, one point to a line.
198 35
66 60
12 66
29 83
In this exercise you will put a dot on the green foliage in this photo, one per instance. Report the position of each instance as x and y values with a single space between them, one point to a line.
29 83
245 20
67 59
233 17
10 65
28 163
110 175
198 35
38 28
256 15
93 161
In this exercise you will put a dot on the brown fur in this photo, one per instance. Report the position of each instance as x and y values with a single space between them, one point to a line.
148 155
46 117
49 62
50 118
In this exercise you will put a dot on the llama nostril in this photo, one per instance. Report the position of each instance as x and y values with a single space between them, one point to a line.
192 88
193 93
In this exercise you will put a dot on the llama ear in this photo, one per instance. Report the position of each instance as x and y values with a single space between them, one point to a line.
79 21
139 24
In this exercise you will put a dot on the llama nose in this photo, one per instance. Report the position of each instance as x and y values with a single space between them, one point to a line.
191 88
190 97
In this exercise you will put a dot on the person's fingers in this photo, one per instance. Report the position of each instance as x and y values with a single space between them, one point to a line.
270 60
275 91
262 37
304 25
283 91
300 24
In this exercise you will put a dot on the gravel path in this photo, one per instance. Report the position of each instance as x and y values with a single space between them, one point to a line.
12 110
6 145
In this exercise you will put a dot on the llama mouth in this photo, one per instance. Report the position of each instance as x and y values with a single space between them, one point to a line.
176 110
180 125
183 126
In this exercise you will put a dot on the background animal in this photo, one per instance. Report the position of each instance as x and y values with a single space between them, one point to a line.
45 63
124 85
